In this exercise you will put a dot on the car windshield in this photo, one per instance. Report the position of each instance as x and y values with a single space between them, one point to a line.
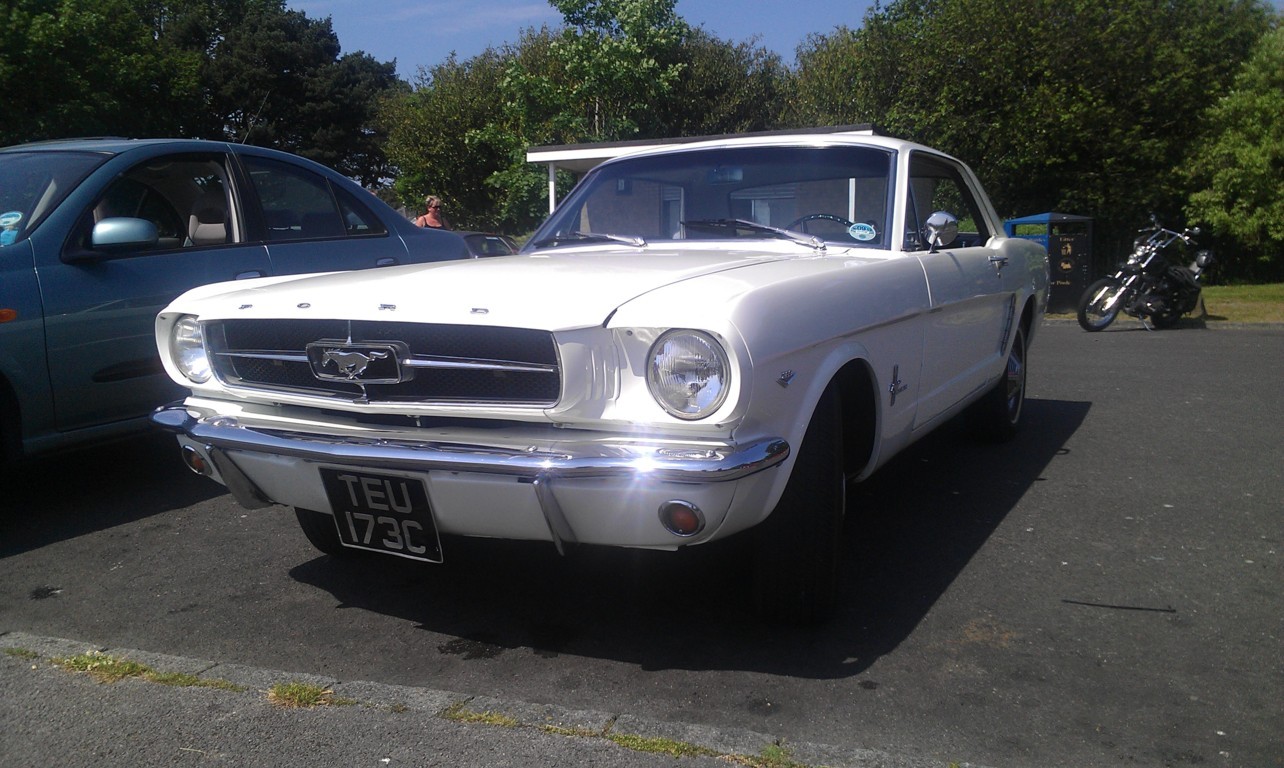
33 183
838 194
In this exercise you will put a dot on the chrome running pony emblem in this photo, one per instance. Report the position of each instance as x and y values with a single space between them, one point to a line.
358 363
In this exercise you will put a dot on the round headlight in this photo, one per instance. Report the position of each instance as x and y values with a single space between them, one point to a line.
187 345
688 374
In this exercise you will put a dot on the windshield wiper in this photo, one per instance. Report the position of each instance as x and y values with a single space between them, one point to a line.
583 237
753 226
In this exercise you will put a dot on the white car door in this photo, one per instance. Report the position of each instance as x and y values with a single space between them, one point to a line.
971 298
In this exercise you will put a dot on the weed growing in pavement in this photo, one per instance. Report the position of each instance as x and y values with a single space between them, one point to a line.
660 746
21 653
108 669
300 695
462 714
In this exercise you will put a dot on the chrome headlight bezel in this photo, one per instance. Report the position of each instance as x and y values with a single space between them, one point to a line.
187 350
688 373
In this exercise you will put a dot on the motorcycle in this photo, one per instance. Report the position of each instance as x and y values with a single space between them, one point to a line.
1147 286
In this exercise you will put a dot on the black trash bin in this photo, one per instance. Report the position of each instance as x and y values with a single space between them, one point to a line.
1068 240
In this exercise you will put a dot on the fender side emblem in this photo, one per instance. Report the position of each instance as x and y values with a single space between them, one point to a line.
897 386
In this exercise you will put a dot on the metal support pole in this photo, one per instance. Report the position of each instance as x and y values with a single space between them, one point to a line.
552 188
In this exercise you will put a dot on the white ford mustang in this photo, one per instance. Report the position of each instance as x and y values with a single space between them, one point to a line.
701 340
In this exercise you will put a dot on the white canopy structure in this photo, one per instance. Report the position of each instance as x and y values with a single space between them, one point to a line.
581 158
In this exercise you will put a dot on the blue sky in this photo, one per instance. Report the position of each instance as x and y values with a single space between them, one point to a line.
423 32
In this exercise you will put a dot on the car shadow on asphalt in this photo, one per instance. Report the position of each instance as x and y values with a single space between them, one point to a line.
92 489
911 529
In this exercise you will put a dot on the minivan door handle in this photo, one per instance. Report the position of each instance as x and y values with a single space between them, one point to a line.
250 274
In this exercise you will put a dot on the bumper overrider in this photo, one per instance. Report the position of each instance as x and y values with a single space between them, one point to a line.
573 488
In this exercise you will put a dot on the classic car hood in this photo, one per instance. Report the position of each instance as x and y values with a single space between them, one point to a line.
553 290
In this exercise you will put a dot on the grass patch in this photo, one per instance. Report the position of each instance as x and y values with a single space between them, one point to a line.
460 713
1234 304
296 695
102 667
184 680
108 669
1245 303
21 653
658 746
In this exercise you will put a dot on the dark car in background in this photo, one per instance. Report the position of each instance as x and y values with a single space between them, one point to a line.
483 244
97 236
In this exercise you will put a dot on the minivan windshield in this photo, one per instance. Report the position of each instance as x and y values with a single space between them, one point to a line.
839 194
33 183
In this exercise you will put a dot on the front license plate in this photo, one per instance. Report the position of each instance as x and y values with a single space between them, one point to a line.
382 513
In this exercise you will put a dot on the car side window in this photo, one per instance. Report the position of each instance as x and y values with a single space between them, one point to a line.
938 185
300 205
185 196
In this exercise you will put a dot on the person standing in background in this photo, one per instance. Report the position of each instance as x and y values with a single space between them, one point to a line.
432 218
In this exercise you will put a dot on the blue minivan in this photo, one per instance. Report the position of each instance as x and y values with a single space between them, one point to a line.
98 235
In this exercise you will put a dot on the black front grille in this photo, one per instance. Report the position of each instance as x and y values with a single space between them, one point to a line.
444 363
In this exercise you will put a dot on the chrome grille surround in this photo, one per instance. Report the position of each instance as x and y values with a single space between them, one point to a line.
439 364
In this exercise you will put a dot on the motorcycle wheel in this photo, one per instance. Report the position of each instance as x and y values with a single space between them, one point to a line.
1091 315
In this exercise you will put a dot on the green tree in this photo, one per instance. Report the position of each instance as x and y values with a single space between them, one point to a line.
275 78
242 70
722 87
89 67
440 138
617 62
1071 105
1237 170
464 131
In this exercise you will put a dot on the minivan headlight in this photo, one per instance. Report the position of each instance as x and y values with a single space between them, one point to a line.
187 347
688 374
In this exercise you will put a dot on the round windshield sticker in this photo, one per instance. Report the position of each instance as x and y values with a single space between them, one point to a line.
862 232
10 219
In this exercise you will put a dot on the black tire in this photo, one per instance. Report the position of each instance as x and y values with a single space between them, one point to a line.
1091 318
320 530
996 417
798 548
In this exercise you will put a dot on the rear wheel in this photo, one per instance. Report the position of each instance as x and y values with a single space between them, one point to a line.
1092 313
320 530
798 548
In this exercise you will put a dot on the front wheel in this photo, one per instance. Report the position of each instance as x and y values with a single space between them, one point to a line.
997 415
1093 315
798 548
321 532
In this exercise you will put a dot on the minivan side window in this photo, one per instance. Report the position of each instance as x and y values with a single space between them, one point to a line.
299 205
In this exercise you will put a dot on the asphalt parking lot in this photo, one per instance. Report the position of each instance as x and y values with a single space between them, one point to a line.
1105 590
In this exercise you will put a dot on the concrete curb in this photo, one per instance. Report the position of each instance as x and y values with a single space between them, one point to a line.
721 743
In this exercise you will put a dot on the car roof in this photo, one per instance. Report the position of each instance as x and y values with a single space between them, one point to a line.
111 144
801 139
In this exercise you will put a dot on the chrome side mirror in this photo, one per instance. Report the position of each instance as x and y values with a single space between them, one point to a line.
942 228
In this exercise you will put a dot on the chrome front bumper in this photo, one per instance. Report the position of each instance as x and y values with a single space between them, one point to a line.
582 456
